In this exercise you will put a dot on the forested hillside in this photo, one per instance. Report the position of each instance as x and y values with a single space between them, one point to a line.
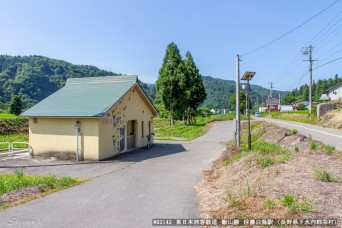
219 91
36 77
318 88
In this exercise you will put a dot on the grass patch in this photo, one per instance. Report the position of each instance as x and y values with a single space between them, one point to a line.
297 116
324 175
10 182
269 203
46 185
15 137
294 205
186 132
236 156
7 115
313 146
269 154
329 149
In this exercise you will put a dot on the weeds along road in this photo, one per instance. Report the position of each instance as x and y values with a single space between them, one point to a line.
327 136
160 184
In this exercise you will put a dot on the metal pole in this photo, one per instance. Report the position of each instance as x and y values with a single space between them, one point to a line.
77 140
237 100
249 118
310 96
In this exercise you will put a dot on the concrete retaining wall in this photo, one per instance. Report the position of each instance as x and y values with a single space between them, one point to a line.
324 108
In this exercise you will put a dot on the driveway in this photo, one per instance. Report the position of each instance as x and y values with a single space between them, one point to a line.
327 136
159 184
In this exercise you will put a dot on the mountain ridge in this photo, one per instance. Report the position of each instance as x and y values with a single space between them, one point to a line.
35 77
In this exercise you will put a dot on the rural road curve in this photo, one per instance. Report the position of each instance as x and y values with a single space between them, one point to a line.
160 184
327 136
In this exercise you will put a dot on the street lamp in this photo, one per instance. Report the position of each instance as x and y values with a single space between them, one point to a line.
247 76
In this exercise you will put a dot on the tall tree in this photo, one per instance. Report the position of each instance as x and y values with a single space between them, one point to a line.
15 105
232 101
195 91
171 81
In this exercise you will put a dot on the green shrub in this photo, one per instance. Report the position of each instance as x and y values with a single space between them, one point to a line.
269 203
264 162
329 149
323 175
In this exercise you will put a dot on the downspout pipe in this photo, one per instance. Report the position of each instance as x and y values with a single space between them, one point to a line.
77 130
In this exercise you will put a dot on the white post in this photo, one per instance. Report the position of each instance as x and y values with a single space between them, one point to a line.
237 100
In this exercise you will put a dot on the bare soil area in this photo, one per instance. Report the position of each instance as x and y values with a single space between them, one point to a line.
332 119
243 189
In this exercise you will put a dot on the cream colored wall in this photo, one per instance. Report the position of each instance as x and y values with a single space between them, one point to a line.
55 135
130 107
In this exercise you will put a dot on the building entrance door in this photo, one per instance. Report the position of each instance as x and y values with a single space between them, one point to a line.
131 135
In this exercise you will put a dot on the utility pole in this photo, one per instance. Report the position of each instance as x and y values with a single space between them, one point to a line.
308 51
237 110
270 96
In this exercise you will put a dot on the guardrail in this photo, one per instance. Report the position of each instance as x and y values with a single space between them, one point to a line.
11 149
29 148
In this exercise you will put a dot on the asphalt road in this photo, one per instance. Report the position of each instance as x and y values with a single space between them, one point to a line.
160 184
327 136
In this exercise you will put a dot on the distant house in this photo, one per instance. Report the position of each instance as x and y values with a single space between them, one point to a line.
335 92
286 108
97 117
219 110
306 103
273 104
262 109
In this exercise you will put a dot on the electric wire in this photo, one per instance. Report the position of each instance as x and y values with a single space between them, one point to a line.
292 30
327 63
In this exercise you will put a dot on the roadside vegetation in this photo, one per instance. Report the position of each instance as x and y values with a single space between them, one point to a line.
285 174
302 116
185 132
19 188
13 129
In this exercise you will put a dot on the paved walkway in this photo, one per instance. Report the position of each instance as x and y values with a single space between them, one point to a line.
160 184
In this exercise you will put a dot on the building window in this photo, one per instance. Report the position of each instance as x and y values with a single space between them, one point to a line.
142 129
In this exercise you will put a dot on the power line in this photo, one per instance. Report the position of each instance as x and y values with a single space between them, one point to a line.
328 63
331 55
325 27
292 30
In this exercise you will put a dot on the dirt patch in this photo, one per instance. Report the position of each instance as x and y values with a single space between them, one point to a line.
21 193
241 189
332 119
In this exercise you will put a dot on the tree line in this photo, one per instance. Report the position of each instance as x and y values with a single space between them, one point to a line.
318 88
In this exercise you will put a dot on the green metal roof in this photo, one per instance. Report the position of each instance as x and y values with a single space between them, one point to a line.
83 97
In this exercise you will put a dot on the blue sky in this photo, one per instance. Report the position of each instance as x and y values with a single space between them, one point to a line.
130 36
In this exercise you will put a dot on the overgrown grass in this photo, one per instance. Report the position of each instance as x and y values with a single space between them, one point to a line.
297 116
268 154
329 149
16 137
7 115
186 132
269 203
324 175
11 182
294 205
